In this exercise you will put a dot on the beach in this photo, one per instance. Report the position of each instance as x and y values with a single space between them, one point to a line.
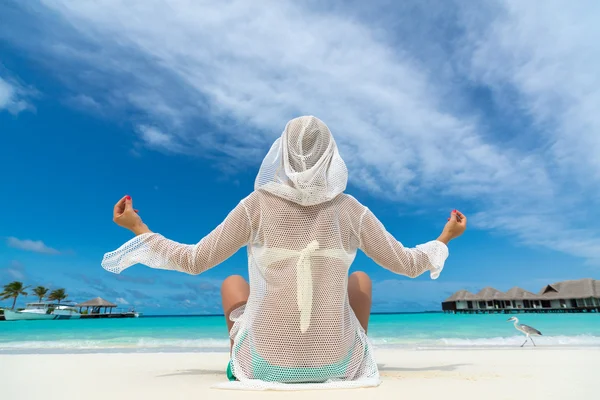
524 373
424 356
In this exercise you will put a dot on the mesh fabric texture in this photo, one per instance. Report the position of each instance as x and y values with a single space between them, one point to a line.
297 330
303 165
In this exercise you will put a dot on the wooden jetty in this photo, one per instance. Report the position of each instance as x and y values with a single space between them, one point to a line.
93 309
110 315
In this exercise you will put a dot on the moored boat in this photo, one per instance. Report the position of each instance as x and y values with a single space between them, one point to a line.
42 311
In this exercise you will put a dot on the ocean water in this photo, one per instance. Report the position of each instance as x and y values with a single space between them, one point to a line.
177 334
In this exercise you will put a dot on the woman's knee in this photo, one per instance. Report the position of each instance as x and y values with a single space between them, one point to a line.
362 280
359 296
233 283
234 293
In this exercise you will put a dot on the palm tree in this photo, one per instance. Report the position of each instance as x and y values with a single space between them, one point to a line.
13 289
40 292
58 295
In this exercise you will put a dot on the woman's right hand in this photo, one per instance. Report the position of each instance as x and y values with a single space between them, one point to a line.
124 215
456 225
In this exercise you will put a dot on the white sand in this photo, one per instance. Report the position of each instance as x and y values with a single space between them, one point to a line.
527 373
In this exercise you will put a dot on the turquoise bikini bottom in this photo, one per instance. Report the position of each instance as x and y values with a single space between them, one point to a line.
263 370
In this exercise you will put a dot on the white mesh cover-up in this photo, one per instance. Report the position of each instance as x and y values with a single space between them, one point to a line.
297 330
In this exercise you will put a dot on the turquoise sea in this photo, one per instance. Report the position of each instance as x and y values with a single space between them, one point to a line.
176 334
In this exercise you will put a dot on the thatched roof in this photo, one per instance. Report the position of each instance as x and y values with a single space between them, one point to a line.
579 289
489 293
517 293
97 302
461 295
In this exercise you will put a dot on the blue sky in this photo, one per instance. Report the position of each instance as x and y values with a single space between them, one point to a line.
435 105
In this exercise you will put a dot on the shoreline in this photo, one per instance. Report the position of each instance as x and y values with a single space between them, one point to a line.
144 345
225 350
532 373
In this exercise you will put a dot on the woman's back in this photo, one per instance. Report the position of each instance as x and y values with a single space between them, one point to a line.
299 258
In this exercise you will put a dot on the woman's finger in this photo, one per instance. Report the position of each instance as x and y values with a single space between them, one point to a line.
121 202
459 216
128 203
453 216
119 207
136 211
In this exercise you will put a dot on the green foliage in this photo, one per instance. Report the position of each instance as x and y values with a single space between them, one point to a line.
58 295
40 292
13 290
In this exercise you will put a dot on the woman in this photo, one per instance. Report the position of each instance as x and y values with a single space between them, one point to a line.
301 319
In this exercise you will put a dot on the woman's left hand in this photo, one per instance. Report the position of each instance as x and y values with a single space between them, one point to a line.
126 216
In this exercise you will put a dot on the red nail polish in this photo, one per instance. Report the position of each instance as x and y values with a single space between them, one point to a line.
454 211
128 197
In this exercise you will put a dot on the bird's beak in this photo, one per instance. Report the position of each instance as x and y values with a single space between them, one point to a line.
510 319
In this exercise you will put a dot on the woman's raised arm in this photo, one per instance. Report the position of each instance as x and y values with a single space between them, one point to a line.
156 251
385 250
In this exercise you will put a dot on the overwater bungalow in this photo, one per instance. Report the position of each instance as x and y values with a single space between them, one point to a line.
93 309
96 306
581 295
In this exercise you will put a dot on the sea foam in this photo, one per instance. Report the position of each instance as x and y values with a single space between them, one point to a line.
495 342
149 344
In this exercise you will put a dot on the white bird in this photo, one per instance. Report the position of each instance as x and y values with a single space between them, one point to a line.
526 329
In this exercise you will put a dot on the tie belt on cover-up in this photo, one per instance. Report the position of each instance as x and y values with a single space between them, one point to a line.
304 284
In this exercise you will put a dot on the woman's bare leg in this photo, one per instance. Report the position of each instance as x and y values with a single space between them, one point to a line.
234 293
359 294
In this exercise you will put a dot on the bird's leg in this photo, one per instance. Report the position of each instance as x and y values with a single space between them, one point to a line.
530 338
524 342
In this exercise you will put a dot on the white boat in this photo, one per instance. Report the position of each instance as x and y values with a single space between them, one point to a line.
132 313
136 314
40 311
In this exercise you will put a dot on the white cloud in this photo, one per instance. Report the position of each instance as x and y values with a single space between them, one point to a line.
542 62
16 274
261 67
85 102
121 301
399 108
550 57
12 97
36 246
15 270
155 138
